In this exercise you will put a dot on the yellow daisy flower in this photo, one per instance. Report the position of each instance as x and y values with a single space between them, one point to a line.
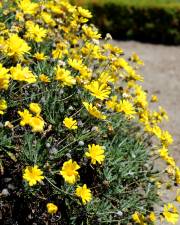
70 123
4 78
40 56
20 73
16 50
170 213
94 111
84 12
51 208
100 91
44 78
126 107
35 108
96 153
25 117
33 174
28 7
84 193
37 124
65 77
3 106
69 171
35 32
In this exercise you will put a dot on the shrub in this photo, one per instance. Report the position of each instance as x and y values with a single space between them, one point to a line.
146 21
76 130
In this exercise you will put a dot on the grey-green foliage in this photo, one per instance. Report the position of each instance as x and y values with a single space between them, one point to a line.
123 185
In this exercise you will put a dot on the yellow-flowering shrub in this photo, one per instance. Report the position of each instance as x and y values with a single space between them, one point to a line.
76 126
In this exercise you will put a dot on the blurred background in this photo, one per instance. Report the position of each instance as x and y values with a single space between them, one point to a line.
155 21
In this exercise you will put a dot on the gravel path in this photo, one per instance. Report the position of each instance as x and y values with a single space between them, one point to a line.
162 77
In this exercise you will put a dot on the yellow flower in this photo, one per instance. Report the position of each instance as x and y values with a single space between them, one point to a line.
51 208
156 130
84 193
135 58
170 213
166 138
100 91
90 33
2 41
177 175
65 77
84 12
138 218
96 153
22 74
105 77
37 124
85 75
20 16
75 63
16 47
47 18
70 123
113 49
33 174
178 196
35 32
60 51
152 217
170 160
91 50
40 56
132 74
126 107
44 78
120 62
163 113
141 99
28 7
154 98
25 117
111 104
35 108
163 152
69 171
94 111
3 106
4 78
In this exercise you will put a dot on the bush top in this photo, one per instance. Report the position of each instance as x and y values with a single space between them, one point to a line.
136 3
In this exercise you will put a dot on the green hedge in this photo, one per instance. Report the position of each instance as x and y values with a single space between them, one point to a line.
157 23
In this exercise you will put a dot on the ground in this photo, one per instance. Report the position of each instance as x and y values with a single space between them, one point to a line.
162 77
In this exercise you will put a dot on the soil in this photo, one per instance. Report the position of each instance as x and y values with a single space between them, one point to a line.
162 77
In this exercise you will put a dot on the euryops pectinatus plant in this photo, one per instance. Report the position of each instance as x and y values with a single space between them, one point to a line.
77 138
